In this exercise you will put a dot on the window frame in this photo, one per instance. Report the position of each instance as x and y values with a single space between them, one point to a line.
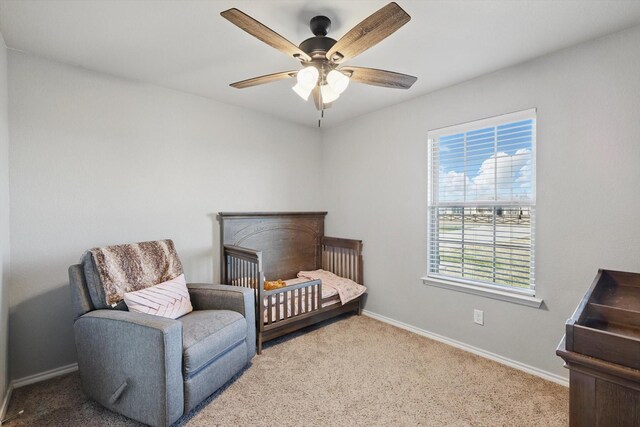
495 290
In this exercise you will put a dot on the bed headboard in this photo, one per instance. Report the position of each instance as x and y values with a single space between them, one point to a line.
289 241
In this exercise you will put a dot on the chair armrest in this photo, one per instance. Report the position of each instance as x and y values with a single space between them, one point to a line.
132 363
138 320
206 296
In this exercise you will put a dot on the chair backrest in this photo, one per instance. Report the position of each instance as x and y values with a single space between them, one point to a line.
79 293
87 289
88 295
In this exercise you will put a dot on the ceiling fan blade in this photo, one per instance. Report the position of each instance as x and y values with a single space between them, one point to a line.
263 79
383 78
264 33
369 32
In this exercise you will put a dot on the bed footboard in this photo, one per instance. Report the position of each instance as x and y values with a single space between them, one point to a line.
290 302
343 257
287 309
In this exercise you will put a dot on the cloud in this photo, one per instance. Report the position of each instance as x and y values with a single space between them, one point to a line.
452 186
509 174
525 176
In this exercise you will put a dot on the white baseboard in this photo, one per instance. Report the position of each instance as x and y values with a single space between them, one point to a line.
471 349
43 376
5 402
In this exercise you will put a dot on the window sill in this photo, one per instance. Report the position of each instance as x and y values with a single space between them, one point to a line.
485 292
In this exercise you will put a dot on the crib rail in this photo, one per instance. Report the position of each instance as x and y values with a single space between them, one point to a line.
242 267
343 257
292 301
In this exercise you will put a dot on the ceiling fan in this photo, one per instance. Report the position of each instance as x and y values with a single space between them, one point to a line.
323 75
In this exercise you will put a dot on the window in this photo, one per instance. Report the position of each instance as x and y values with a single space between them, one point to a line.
482 203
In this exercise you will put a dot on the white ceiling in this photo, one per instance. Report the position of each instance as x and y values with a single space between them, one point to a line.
186 45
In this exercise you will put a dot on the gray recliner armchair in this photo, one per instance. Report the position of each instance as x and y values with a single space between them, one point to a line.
154 369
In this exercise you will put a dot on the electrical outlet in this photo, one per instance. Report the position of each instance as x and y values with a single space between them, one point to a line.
478 317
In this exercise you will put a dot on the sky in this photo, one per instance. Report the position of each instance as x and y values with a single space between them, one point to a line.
493 164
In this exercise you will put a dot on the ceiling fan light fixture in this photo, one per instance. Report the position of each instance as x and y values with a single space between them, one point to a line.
308 77
337 81
328 94
303 91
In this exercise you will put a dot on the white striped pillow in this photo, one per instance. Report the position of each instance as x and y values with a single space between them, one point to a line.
167 299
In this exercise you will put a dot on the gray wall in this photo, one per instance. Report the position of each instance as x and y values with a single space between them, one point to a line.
588 199
4 220
97 160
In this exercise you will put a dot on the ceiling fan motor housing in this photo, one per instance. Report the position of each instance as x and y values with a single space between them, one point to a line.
317 45
320 44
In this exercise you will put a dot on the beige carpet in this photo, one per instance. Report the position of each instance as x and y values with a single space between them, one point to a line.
352 371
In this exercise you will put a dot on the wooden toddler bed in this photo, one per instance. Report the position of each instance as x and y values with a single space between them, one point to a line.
277 245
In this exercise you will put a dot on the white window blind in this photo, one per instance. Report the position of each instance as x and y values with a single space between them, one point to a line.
482 202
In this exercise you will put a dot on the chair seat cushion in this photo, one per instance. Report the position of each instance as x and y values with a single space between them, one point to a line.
207 335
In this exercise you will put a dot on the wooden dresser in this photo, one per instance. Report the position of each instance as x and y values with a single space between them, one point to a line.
601 348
